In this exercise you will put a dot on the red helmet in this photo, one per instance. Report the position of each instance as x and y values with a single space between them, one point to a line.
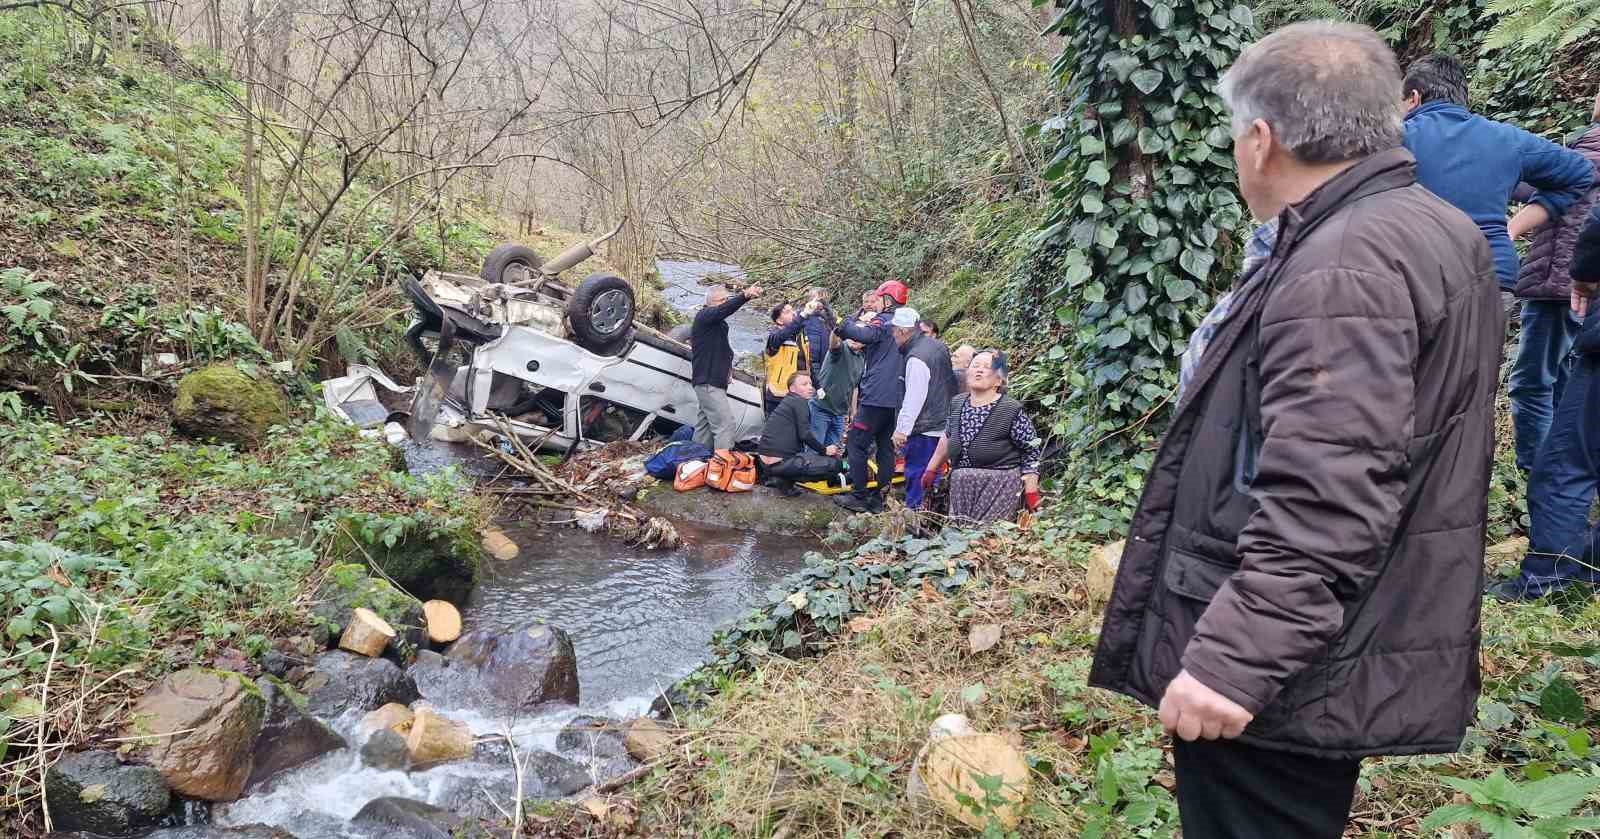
896 290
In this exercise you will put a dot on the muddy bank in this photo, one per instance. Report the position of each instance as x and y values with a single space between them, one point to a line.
761 510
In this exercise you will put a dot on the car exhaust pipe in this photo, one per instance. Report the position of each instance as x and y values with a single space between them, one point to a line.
578 253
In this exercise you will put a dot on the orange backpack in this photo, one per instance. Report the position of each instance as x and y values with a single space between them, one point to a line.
691 475
731 471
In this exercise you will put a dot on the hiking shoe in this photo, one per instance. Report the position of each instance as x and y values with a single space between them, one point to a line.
1517 589
855 505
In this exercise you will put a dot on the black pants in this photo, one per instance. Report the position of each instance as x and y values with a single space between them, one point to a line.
805 466
1228 790
769 403
872 425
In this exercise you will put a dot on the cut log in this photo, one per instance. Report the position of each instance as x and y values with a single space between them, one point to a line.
1103 562
367 634
393 716
436 739
498 545
444 622
952 772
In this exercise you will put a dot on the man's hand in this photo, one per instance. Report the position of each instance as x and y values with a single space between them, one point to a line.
1191 710
753 291
899 439
1581 292
832 451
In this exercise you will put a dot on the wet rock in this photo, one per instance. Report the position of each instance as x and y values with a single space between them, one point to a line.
762 510
275 663
93 791
340 681
386 749
289 736
647 739
553 776
218 715
402 818
506 673
253 831
227 405
596 742
676 700
347 587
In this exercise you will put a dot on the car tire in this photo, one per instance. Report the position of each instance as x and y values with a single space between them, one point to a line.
601 313
512 264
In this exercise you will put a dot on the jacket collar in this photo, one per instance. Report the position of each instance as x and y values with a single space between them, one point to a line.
1381 172
1437 106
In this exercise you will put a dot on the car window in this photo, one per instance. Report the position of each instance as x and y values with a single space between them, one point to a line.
605 421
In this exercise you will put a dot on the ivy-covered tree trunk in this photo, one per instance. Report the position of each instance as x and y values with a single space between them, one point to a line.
1143 232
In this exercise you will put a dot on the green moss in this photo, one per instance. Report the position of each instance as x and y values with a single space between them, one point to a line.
297 698
223 403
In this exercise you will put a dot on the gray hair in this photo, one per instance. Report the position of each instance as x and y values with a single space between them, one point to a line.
1330 91
714 293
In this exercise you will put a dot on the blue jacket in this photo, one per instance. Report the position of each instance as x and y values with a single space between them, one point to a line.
1476 163
818 327
881 383
1586 268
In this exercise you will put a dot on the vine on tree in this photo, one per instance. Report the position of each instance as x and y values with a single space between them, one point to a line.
1143 231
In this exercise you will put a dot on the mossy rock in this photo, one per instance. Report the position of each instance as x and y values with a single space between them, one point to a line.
760 510
428 567
224 404
348 587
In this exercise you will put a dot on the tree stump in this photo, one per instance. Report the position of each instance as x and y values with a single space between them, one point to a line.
367 634
444 622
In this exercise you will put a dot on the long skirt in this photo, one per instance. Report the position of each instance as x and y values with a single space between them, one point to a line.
984 496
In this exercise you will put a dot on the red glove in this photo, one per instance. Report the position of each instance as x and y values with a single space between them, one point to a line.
928 478
1032 498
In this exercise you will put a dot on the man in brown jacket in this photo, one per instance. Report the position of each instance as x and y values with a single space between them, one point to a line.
1308 594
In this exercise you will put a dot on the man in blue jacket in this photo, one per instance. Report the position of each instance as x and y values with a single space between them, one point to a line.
1566 475
1476 164
880 400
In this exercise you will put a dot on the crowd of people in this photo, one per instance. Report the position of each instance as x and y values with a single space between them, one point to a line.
877 387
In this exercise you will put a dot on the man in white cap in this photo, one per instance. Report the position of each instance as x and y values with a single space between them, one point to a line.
930 383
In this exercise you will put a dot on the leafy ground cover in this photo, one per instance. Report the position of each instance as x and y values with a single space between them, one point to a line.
125 557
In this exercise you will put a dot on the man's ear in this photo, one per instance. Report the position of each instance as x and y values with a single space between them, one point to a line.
1412 100
1258 145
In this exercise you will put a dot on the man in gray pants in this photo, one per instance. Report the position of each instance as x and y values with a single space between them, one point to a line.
711 357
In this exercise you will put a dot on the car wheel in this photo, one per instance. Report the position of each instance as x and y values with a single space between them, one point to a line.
601 313
512 264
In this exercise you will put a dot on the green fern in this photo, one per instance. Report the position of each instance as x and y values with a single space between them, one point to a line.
1549 24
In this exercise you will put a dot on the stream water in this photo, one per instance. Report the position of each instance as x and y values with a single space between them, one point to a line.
639 620
686 292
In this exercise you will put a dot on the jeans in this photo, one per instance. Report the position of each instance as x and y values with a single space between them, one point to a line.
873 425
919 450
714 427
826 426
1539 373
1232 790
1562 487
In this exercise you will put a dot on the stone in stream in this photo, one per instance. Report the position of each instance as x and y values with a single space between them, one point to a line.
476 794
197 727
402 818
93 791
340 681
597 742
647 739
204 831
506 673
289 736
386 750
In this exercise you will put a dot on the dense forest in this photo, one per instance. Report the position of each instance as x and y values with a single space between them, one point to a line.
224 194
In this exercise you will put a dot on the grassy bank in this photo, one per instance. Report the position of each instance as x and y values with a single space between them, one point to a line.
823 746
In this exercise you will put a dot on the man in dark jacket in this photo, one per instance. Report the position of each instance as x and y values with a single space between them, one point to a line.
929 385
1561 489
711 363
1476 163
842 366
788 450
1300 586
879 400
1548 322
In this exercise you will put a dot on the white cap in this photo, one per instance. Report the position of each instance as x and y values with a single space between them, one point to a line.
905 317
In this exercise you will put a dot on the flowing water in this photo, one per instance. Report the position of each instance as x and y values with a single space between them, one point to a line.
686 292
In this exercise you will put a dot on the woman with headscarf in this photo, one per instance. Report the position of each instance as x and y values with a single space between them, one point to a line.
991 446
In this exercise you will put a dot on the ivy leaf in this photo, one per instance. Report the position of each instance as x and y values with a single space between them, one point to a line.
1561 702
1135 296
1150 142
1146 80
1098 174
1122 131
1077 273
1166 250
1106 237
1179 290
1197 263
1241 15
1148 225
1091 203
1092 293
1121 64
1089 145
1161 16
1116 338
1181 175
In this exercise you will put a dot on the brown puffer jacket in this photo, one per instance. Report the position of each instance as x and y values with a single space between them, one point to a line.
1547 269
1323 566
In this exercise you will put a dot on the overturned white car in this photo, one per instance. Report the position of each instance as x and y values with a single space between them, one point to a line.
562 367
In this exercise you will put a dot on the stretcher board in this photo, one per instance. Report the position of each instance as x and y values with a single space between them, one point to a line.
827 487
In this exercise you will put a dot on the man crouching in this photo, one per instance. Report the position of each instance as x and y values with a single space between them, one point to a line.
1301 581
789 451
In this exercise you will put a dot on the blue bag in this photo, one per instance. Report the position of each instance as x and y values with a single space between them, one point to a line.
664 464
